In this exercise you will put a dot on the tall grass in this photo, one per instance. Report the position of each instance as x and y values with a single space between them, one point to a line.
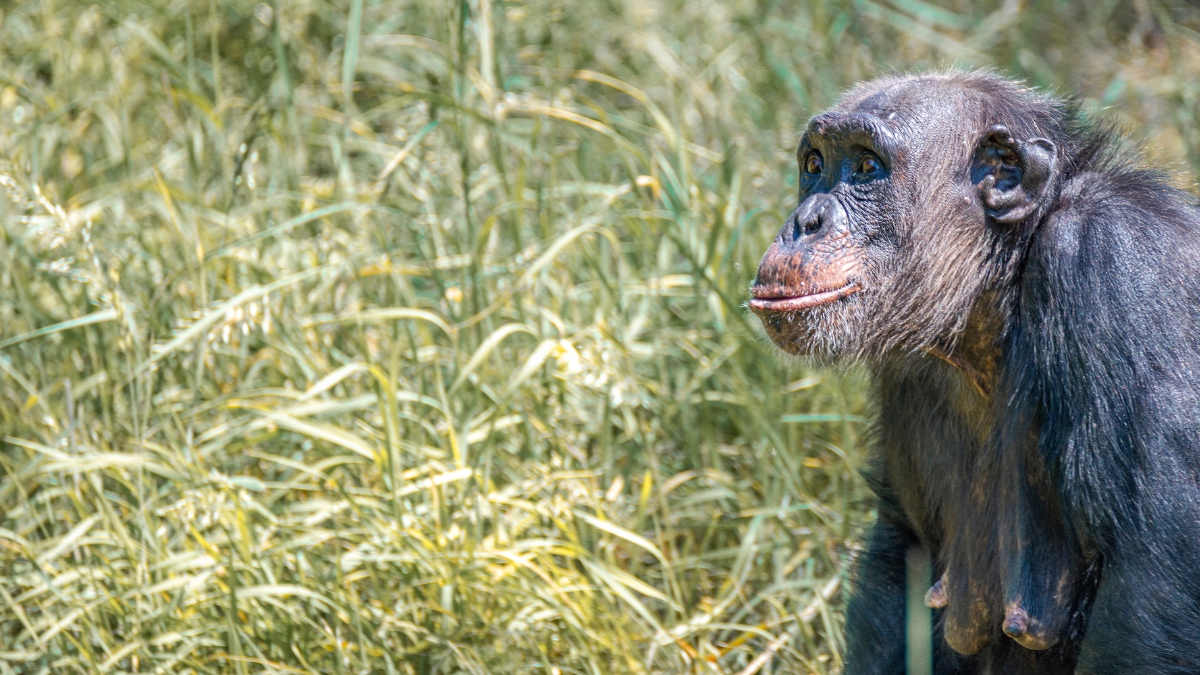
408 337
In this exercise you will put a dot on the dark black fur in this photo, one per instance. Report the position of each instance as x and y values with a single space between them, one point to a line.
1037 373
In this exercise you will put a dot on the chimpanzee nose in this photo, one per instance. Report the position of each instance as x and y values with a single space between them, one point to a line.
809 218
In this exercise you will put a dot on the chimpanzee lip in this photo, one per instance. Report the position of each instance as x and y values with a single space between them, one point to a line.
799 302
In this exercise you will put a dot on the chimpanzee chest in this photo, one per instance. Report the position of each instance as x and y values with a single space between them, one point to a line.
934 421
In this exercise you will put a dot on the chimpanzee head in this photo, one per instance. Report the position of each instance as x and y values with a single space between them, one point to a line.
916 197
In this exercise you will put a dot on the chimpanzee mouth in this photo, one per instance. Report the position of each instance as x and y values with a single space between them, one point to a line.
799 302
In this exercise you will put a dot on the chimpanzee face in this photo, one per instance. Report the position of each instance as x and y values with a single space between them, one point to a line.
817 278
909 199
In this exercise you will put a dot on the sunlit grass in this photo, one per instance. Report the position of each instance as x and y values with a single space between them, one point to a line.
346 337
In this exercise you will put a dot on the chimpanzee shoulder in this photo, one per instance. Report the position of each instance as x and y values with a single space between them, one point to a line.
1119 253
1105 343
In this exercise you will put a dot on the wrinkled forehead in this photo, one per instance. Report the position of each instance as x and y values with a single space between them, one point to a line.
912 101
909 113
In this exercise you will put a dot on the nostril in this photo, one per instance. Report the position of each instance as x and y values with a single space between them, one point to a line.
808 218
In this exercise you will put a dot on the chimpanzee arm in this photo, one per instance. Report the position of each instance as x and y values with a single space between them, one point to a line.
876 613
1110 311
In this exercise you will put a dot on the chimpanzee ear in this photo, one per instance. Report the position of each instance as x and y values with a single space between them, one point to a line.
1012 175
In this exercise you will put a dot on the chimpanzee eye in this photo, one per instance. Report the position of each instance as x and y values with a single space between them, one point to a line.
869 164
814 163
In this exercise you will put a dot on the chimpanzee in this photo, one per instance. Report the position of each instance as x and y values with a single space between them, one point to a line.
1028 300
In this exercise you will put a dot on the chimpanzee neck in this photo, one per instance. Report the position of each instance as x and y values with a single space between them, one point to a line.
975 352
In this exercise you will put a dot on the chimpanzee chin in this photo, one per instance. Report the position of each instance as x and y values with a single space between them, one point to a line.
1028 299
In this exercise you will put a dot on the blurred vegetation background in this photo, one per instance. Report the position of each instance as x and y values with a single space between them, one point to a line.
350 336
